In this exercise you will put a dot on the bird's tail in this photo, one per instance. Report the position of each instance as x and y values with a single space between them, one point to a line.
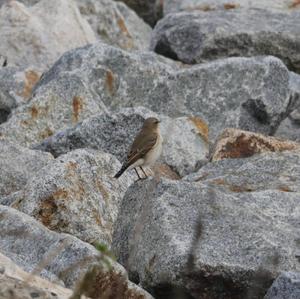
120 172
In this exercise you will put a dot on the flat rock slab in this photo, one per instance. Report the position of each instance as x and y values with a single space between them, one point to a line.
196 37
206 243
247 93
276 171
234 143
185 145
17 165
38 35
172 6
76 194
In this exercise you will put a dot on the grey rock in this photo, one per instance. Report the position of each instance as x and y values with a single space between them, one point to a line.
204 242
172 6
39 34
76 194
286 286
61 257
196 37
267 171
247 93
15 88
290 127
185 144
116 24
17 165
149 10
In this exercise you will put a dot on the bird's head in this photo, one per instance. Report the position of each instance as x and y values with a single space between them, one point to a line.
151 123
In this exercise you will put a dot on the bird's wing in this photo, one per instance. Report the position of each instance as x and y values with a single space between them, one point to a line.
142 144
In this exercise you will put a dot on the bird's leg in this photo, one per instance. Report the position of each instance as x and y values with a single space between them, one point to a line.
144 172
137 174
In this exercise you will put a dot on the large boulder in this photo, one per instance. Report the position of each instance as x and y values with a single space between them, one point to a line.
63 258
17 165
203 242
286 286
38 35
172 6
247 93
116 24
76 194
195 37
185 144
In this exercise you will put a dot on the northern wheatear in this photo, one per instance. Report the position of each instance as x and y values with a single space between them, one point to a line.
145 149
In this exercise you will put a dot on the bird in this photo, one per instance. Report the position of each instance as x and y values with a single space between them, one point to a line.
145 149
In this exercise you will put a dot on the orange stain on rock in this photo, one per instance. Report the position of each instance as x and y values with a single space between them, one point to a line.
294 4
230 5
110 79
77 105
201 126
31 78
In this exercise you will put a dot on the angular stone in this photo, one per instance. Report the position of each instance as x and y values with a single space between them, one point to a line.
62 258
116 24
196 37
275 171
17 165
172 6
76 194
15 88
206 243
248 93
234 143
22 285
185 144
287 285
38 35
149 10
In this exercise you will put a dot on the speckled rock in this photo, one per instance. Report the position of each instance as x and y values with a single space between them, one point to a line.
171 6
195 37
38 35
234 143
185 146
15 88
247 93
206 243
17 165
116 24
18 284
275 171
62 258
149 10
286 286
76 194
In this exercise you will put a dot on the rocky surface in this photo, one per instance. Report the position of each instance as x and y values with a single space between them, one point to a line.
185 139
287 285
18 284
15 88
150 10
247 93
76 194
172 6
168 236
234 143
195 37
276 171
116 24
33 247
17 165
38 35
